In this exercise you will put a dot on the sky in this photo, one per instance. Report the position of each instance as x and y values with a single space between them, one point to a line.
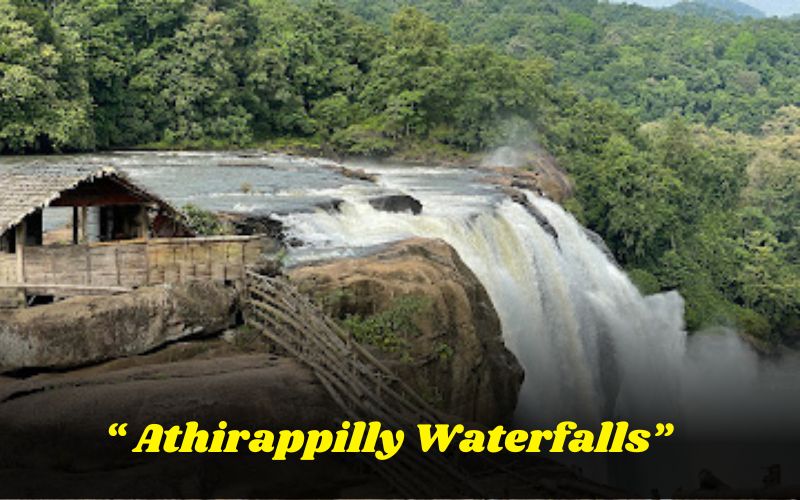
770 7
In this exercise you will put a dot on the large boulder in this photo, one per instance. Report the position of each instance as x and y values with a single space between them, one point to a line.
449 347
86 330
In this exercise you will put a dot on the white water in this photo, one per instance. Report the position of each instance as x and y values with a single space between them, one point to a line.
592 346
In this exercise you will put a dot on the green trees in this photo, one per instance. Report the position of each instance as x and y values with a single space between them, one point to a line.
409 81
308 68
732 73
424 87
44 99
100 29
163 72
189 85
695 209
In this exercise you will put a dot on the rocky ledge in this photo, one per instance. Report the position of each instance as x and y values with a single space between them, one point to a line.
415 304
89 330
423 311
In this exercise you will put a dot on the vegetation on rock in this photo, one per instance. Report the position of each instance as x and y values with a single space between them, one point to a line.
391 329
204 222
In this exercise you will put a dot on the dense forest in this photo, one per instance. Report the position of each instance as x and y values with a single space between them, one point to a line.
681 131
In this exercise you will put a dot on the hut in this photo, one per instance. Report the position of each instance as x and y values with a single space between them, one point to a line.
122 237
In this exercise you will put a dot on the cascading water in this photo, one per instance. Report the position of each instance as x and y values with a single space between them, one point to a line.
587 339
592 346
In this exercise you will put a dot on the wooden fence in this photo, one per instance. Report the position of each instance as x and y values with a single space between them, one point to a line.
8 268
365 389
361 385
83 269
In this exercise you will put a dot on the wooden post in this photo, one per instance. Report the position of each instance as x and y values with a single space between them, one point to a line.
144 223
84 225
20 250
75 233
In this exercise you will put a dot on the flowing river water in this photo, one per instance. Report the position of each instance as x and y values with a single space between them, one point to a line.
593 348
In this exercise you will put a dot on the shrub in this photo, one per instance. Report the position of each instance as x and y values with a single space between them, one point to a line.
204 222
389 330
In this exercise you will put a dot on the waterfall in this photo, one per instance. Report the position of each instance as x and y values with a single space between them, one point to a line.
592 347
584 335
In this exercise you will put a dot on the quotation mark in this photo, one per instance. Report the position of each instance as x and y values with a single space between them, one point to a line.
120 430
665 430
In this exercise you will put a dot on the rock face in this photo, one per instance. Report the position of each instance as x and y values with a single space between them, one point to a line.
55 426
454 356
537 172
87 330
520 198
56 443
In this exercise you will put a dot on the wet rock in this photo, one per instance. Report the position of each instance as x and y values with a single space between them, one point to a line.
267 224
520 198
251 224
353 173
534 171
331 206
454 354
85 330
396 203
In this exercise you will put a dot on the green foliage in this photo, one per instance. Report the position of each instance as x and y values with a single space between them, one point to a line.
646 282
680 130
445 352
364 139
44 102
389 329
204 222
684 207
732 73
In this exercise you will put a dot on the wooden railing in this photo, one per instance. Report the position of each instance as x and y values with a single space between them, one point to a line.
92 268
8 268
360 384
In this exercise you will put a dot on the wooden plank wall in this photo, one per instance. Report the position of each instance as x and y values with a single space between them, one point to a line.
141 262
8 268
